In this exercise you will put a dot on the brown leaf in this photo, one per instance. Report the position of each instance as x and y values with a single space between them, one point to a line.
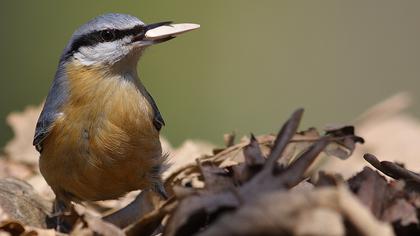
13 227
299 143
286 133
23 125
188 176
287 178
345 141
392 169
150 222
253 154
253 162
401 211
233 155
294 173
196 211
299 213
216 179
328 179
372 190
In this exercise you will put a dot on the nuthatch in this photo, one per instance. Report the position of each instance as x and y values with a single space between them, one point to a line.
98 133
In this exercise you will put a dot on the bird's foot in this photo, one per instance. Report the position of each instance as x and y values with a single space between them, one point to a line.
63 217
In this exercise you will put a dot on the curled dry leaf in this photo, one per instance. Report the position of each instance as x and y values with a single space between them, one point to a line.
254 161
346 142
391 169
215 179
392 133
372 190
300 213
234 154
253 154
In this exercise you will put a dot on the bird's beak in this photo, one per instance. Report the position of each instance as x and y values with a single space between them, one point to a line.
164 31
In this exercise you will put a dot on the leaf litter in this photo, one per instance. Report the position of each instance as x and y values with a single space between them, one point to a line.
280 184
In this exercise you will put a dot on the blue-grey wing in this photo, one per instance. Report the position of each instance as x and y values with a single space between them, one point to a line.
52 108
158 121
43 128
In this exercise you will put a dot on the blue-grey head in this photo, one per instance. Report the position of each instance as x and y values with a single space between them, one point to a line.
109 38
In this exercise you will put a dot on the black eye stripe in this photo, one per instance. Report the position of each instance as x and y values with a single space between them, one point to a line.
96 37
107 35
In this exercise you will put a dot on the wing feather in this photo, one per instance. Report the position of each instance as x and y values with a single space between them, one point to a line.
158 121
52 108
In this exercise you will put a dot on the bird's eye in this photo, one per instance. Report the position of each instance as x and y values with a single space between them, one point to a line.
108 35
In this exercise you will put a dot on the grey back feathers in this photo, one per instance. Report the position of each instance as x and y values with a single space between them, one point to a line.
56 98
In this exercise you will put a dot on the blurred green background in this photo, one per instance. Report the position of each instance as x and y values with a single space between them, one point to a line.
246 69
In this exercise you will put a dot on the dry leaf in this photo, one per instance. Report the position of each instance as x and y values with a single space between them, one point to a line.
372 190
11 168
390 132
299 213
23 124
401 211
186 154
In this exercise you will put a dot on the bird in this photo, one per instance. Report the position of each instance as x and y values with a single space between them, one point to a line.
98 132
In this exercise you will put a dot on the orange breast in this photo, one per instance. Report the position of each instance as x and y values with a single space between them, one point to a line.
104 144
